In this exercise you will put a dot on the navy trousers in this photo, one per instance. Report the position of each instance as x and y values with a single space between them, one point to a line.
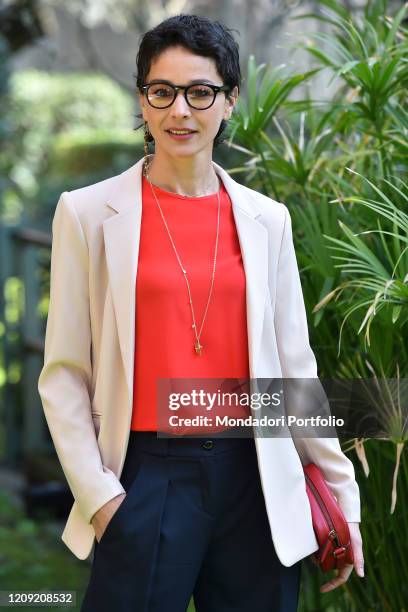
193 522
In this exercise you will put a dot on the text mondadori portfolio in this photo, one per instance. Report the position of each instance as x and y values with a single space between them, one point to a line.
264 421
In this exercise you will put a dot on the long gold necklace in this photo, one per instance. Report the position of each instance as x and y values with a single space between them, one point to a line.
197 346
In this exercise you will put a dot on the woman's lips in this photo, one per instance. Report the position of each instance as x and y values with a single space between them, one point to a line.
180 136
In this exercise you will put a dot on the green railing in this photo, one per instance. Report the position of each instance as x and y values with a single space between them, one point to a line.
24 260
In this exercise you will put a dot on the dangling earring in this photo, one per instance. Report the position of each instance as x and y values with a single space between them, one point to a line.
146 148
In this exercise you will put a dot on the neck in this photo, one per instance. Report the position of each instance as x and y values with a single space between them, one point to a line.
192 177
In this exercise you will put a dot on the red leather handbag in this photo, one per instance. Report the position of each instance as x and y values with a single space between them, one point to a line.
330 526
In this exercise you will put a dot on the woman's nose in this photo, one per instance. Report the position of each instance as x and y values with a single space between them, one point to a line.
180 106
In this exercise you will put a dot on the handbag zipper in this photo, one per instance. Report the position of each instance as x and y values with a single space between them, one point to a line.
332 533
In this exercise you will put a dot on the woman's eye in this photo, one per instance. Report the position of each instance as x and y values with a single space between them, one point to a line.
162 93
200 92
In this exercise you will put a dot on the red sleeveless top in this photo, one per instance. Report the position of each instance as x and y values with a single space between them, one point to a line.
164 336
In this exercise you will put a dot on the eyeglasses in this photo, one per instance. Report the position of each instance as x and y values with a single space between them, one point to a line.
199 95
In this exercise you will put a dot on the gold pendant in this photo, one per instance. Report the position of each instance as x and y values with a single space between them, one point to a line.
198 347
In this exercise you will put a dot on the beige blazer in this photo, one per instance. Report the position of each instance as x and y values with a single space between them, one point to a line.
86 382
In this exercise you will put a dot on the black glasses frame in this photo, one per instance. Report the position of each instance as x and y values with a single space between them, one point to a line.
216 89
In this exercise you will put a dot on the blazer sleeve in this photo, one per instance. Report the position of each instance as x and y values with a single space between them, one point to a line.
298 361
64 383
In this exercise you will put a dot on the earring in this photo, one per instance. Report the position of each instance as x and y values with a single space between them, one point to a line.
146 147
146 138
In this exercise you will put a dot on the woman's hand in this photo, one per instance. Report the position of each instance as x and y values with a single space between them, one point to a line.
343 574
101 518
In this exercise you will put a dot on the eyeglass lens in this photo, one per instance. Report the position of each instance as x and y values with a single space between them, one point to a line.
161 95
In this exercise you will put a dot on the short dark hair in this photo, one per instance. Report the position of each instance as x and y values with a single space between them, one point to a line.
200 35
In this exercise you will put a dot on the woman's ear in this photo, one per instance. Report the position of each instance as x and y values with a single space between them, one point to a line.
230 102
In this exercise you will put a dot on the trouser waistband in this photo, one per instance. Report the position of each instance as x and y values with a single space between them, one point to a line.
200 445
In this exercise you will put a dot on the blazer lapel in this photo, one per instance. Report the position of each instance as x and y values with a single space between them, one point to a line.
121 237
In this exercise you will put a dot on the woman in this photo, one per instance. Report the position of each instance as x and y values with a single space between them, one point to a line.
217 294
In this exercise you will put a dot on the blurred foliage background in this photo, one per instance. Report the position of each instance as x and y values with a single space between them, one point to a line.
329 140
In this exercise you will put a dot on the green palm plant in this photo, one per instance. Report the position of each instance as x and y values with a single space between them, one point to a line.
300 156
267 90
380 279
368 56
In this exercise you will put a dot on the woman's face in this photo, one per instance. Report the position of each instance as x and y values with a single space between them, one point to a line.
180 66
